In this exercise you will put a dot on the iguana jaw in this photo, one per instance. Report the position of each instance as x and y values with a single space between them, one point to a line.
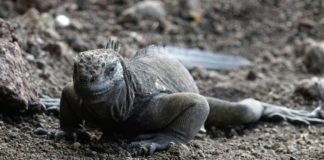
92 91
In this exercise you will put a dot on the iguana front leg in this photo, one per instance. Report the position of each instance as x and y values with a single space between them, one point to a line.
224 113
170 119
70 108
69 112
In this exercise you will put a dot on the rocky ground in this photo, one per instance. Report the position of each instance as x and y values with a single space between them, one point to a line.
277 36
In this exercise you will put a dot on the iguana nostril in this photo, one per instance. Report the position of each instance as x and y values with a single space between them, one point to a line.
92 72
83 79
81 60
93 79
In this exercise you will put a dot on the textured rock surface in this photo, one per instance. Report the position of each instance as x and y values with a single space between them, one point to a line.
15 92
24 5
6 31
311 88
312 53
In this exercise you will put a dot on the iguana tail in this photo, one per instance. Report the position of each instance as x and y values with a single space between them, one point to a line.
225 113
214 61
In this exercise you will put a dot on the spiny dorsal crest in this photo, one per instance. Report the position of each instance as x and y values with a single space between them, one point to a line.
113 44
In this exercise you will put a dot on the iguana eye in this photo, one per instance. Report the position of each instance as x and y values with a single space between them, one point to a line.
109 70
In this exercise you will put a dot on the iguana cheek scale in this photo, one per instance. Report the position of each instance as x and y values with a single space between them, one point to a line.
153 98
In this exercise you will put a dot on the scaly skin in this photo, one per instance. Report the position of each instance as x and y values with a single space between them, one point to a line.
153 98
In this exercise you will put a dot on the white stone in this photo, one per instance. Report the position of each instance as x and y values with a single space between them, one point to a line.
62 20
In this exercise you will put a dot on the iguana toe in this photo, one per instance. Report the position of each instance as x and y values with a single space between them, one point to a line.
148 144
79 135
54 110
147 148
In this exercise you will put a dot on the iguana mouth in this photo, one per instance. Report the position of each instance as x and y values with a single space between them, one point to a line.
100 91
92 91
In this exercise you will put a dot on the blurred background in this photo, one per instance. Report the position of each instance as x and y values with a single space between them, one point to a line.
248 28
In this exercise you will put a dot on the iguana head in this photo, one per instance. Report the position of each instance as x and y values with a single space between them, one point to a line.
96 72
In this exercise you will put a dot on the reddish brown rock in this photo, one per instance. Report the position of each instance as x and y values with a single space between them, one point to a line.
15 93
6 31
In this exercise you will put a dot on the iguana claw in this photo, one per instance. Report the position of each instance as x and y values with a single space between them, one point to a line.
150 144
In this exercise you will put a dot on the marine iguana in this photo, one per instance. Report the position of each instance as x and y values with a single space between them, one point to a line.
153 98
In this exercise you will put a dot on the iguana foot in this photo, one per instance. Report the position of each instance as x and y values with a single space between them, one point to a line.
80 136
294 116
52 105
148 144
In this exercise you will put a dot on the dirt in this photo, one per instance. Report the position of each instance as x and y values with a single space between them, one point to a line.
266 32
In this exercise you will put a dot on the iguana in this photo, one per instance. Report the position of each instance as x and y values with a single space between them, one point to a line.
153 98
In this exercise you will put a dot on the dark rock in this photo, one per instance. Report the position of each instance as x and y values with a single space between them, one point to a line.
6 9
292 158
40 131
41 5
145 10
12 135
55 49
40 64
230 132
16 94
34 50
54 110
306 23
145 13
78 44
193 10
251 75
312 55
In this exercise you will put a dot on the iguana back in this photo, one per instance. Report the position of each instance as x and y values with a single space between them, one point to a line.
153 72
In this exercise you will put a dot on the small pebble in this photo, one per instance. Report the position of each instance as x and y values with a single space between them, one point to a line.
12 135
201 154
251 76
76 145
180 150
62 20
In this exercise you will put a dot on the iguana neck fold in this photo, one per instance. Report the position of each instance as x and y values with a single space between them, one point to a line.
124 101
